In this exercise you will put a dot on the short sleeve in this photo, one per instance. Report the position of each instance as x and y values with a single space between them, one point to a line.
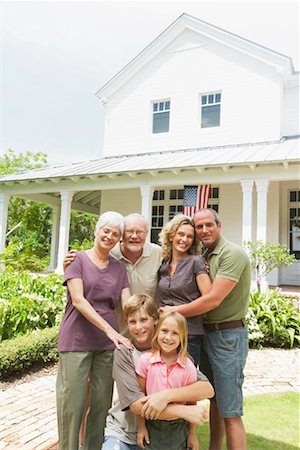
74 269
232 264
124 374
199 265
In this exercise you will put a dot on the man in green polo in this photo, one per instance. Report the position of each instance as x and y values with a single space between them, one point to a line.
225 346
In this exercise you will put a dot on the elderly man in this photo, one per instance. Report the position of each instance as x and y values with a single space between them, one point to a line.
226 340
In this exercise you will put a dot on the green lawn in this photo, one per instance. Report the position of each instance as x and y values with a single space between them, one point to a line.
271 421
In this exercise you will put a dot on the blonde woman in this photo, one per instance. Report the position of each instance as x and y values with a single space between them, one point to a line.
183 275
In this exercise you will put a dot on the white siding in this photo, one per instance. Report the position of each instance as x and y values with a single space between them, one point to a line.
230 210
250 107
124 201
291 111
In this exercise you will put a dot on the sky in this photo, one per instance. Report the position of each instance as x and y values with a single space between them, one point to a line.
57 54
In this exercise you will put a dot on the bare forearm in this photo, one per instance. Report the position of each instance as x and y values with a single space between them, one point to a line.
200 390
199 306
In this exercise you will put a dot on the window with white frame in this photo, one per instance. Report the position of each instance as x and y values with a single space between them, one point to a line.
294 222
161 116
210 109
168 202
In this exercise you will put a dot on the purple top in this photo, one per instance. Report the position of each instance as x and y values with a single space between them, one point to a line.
182 288
102 288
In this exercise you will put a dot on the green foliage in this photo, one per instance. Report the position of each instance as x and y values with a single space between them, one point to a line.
273 320
12 163
29 302
23 352
29 223
267 256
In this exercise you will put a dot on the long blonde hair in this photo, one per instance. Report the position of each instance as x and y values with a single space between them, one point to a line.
169 231
183 332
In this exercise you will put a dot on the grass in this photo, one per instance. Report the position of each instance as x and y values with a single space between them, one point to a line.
271 422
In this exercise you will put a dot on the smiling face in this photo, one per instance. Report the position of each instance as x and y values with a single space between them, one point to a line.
168 337
183 239
207 229
135 233
141 328
107 237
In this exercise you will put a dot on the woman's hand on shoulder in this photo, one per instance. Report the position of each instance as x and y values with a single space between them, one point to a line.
117 338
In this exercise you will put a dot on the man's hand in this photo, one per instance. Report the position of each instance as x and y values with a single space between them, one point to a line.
154 404
165 309
71 255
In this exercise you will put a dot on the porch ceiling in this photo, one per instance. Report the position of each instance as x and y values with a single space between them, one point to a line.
283 152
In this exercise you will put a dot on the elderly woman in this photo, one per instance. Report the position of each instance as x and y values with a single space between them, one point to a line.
88 334
183 275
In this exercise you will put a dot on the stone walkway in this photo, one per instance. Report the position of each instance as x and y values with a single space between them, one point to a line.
28 413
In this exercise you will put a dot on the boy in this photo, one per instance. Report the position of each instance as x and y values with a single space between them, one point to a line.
141 316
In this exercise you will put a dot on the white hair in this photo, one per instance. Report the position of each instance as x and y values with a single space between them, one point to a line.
138 217
110 219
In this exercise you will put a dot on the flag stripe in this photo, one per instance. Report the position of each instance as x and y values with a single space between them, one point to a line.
194 198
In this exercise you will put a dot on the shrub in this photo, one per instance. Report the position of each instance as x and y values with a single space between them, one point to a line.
23 352
29 302
273 319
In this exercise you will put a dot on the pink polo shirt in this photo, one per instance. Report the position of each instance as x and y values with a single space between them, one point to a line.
159 377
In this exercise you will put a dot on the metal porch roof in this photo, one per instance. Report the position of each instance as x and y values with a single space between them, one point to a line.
284 151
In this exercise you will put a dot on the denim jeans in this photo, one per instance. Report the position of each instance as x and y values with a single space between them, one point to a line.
114 443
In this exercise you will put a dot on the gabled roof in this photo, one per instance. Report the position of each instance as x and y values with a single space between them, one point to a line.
283 152
282 64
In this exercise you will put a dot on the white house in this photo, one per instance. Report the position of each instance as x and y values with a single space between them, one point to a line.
199 105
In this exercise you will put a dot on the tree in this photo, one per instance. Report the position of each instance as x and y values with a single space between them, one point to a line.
266 256
12 163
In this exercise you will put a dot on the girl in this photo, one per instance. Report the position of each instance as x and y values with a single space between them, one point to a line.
167 365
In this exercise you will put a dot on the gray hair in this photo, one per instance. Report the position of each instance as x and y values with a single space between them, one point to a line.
212 211
110 219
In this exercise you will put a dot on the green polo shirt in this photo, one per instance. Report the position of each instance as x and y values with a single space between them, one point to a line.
228 260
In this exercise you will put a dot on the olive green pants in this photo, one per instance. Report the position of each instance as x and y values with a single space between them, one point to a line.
167 434
74 370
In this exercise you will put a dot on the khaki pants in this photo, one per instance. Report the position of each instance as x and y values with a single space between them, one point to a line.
73 372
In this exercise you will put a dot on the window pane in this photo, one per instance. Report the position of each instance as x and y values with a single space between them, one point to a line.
155 106
293 213
160 221
298 196
161 195
155 195
293 195
204 99
215 193
180 194
179 209
161 106
210 116
154 221
161 122
172 209
211 98
172 194
167 104
161 211
218 98
154 210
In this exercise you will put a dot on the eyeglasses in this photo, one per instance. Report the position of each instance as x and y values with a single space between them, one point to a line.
139 233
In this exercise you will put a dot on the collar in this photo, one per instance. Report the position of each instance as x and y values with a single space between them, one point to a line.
116 252
156 358
217 248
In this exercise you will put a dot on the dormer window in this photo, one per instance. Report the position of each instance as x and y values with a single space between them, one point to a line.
161 116
210 109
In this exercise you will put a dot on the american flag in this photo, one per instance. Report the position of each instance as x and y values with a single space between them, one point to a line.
194 198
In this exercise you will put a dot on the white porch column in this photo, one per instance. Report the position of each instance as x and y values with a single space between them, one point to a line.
4 199
54 238
146 192
64 228
247 187
262 191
